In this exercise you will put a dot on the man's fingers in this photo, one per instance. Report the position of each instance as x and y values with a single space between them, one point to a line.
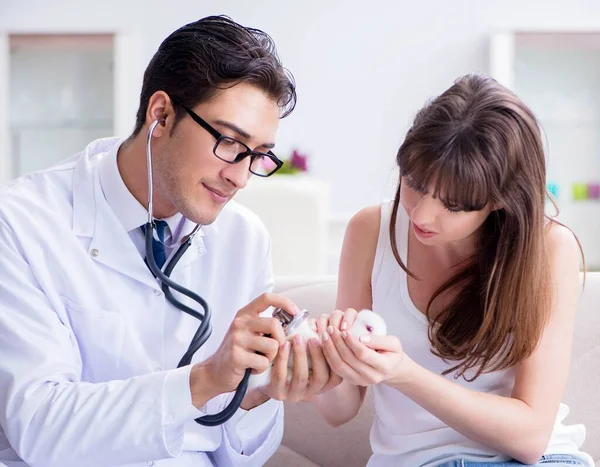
266 300
263 345
256 362
320 370
271 326
300 374
279 372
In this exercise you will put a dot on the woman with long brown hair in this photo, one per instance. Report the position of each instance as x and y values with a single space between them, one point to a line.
478 286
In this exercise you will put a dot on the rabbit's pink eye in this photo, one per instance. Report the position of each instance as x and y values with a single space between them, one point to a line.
370 328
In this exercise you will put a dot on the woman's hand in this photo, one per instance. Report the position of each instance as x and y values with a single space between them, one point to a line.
361 360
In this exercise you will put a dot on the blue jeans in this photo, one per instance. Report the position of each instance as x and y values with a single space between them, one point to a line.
551 460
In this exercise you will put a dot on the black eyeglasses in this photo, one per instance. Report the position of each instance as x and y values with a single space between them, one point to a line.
232 151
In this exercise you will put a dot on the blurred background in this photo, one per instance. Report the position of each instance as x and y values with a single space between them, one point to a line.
70 72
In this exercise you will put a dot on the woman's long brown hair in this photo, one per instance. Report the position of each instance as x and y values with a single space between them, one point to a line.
479 143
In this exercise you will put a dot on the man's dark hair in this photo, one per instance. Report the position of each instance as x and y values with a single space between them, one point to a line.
214 53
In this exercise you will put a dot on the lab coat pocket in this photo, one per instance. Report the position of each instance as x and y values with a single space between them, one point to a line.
100 335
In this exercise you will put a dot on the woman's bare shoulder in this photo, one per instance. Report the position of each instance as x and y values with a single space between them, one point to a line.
365 222
561 241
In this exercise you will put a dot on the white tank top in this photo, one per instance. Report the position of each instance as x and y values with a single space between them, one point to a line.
403 433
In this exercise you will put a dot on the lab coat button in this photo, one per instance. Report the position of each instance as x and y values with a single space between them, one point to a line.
150 464
94 253
157 292
158 368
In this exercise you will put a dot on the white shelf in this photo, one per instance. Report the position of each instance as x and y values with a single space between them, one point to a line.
54 118
557 75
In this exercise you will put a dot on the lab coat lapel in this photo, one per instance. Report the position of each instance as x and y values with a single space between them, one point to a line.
114 248
110 244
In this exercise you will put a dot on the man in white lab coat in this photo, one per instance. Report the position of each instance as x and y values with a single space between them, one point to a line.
89 345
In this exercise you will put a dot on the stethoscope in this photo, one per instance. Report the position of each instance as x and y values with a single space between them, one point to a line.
204 331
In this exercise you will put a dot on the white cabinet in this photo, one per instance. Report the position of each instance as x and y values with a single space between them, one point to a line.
557 74
296 211
60 98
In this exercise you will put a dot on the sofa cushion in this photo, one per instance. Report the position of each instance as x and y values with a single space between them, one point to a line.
309 435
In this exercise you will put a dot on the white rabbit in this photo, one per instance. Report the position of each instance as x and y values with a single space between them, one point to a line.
366 322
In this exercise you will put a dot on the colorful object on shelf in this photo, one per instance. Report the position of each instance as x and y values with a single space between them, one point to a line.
295 164
553 189
299 161
580 191
594 190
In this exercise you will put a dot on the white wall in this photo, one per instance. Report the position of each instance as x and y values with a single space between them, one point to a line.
363 68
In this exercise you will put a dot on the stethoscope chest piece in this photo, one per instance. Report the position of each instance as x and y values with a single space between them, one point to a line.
288 321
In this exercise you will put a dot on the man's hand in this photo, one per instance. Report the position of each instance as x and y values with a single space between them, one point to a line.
251 342
297 382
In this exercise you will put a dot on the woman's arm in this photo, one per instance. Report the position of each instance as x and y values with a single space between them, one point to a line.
520 425
341 404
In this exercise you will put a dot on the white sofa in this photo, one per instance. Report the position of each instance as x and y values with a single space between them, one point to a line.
309 442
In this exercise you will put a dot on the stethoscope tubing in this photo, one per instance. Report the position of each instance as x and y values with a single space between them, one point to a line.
205 329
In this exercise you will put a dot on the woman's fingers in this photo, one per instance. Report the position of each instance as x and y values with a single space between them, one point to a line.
348 319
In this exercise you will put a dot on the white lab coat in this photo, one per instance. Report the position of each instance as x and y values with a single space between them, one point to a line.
88 343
